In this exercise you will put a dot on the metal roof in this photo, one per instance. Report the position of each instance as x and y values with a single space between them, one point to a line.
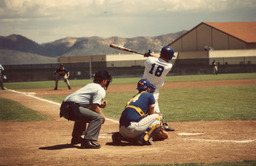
245 31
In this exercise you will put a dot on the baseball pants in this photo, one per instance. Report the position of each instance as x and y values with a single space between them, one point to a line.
1 83
94 120
156 95
136 129
58 77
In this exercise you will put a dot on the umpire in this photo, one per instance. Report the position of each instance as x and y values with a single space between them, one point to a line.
84 106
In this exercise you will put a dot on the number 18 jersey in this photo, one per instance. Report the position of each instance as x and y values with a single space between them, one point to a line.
156 70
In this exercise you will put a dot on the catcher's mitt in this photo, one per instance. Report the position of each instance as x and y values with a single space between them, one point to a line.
161 135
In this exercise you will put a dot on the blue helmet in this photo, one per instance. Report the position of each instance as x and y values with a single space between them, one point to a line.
144 84
167 53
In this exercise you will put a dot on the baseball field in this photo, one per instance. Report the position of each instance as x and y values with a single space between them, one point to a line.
214 119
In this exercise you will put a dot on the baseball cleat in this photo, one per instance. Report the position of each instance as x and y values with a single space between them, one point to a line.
77 140
90 144
116 138
167 128
143 142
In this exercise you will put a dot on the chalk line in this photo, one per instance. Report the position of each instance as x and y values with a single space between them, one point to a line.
185 134
32 95
222 141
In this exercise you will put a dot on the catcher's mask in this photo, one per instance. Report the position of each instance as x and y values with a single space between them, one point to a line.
143 84
102 75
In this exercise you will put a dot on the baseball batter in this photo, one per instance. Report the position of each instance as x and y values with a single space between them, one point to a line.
138 122
84 106
61 73
156 69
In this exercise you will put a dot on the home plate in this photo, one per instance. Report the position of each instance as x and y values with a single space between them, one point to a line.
30 93
105 135
189 134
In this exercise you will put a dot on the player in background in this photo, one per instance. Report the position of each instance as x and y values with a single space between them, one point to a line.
156 69
61 73
2 77
214 67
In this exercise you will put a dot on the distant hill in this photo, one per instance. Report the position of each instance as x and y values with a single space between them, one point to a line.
17 49
11 57
98 46
21 43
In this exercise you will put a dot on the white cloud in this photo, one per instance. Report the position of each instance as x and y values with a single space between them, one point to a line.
47 20
43 8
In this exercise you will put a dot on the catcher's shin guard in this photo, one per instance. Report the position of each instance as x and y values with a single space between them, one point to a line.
146 137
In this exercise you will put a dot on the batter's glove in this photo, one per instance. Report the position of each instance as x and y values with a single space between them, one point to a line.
147 54
161 135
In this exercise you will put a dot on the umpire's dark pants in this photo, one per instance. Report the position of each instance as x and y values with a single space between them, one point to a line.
83 116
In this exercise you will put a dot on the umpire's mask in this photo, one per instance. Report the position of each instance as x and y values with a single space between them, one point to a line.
102 75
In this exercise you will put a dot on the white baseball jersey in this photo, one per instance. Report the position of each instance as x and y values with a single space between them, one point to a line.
156 70
92 93
1 68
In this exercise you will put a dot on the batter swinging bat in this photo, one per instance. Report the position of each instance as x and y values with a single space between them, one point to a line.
124 49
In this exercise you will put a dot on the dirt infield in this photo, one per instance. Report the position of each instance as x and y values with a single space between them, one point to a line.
47 142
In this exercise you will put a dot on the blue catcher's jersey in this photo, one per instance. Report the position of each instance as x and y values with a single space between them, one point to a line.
142 101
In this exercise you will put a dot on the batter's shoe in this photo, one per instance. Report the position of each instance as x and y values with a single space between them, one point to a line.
77 140
55 88
90 144
167 128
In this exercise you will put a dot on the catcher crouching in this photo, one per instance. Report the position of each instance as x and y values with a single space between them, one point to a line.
139 124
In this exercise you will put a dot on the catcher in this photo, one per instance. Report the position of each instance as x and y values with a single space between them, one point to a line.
139 123
61 73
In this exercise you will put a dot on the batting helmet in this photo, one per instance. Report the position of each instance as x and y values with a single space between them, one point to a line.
102 75
144 84
167 53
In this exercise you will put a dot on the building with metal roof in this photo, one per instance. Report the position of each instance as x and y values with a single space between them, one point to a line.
228 42
217 36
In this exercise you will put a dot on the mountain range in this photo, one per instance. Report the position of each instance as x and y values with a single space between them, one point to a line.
17 49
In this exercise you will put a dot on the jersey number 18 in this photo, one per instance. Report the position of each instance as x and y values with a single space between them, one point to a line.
159 70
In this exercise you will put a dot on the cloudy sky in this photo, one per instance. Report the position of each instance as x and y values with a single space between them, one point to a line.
50 20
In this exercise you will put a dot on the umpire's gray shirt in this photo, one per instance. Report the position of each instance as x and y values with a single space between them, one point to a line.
92 93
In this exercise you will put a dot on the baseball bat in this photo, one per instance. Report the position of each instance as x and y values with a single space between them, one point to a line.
124 49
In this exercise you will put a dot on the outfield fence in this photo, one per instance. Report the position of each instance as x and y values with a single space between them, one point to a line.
43 72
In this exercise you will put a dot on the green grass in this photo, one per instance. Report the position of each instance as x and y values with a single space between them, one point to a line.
12 111
133 80
210 77
186 104
209 103
192 104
